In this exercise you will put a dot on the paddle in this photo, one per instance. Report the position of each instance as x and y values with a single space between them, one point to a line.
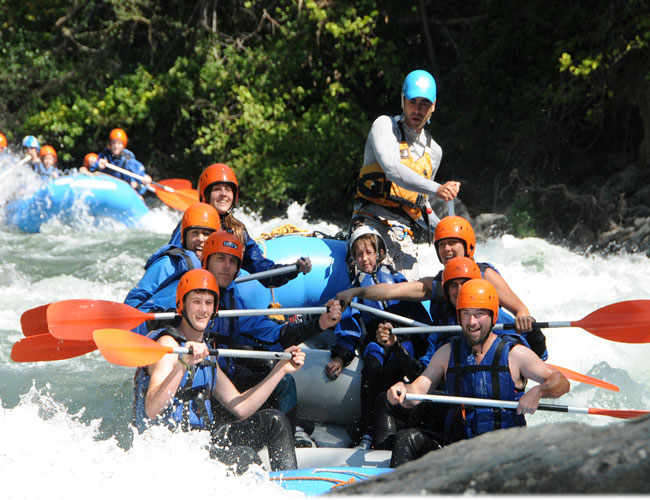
179 199
497 403
267 274
176 183
627 321
126 348
387 315
585 379
76 319
45 347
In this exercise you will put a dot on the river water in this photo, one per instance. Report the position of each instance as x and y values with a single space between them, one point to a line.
65 425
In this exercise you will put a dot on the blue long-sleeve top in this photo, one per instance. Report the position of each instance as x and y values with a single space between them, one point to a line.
126 160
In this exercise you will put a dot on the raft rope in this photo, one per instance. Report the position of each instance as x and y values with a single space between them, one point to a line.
337 482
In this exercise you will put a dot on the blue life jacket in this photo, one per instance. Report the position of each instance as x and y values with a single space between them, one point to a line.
192 405
45 172
126 160
490 379
357 328
156 290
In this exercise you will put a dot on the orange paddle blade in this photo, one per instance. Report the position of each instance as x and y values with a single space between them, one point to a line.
627 321
34 321
44 347
125 348
76 319
176 183
585 379
179 199
618 413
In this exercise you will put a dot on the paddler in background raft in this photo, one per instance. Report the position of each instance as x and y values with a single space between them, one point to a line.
156 290
180 391
117 154
89 160
478 364
3 143
383 363
400 162
454 236
218 187
222 256
49 160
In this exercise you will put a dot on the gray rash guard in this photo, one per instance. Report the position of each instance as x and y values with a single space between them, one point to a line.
382 146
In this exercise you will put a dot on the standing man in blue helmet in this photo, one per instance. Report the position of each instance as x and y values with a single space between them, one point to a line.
396 179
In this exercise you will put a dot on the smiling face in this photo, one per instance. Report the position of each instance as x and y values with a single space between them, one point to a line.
116 146
224 267
476 325
417 112
195 238
221 197
199 308
448 248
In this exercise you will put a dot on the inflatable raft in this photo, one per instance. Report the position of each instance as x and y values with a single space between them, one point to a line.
74 196
321 480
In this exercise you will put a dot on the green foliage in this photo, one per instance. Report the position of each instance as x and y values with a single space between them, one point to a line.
519 216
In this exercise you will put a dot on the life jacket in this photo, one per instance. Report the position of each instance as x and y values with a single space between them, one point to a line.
163 298
373 186
192 407
490 379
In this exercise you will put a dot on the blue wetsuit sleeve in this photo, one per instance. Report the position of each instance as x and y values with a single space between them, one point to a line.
255 262
175 238
348 336
156 274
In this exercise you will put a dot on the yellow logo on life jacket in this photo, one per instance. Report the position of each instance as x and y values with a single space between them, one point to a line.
372 184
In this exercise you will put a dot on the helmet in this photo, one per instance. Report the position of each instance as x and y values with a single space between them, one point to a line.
90 159
419 83
478 294
459 267
117 134
363 230
200 215
196 279
3 140
31 142
217 172
222 242
454 226
48 150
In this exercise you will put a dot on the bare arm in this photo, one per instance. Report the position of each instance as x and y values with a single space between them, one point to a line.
407 290
431 377
244 404
166 375
525 364
509 300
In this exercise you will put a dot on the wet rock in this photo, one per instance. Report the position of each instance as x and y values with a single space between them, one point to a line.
565 458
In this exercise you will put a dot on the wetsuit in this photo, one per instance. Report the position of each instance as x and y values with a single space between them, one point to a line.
126 160
234 442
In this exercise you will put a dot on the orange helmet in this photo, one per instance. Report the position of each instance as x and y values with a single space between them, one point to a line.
48 150
90 159
459 267
196 279
3 141
117 134
478 294
222 242
200 215
218 172
454 226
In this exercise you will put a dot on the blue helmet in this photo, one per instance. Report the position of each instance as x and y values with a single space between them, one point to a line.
31 142
419 83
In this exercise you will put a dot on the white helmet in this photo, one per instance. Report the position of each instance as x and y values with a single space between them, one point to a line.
363 230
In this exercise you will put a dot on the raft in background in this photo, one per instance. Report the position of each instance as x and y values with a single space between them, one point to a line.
72 196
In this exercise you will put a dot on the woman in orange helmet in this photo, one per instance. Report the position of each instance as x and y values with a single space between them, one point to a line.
117 154
219 187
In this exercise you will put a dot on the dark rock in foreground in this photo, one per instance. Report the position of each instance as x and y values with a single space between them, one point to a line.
553 458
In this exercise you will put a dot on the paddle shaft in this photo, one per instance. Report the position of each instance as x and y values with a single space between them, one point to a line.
387 315
267 274
238 353
234 313
497 403
456 328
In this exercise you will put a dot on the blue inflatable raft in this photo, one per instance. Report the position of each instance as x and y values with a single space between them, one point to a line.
70 197
321 480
